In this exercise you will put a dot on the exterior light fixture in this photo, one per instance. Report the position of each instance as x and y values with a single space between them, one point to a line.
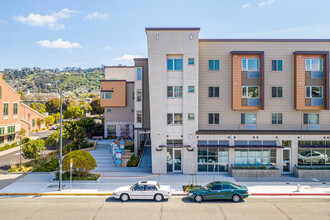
158 136
190 136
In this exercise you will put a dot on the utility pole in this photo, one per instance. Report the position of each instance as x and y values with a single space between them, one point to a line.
60 156
20 152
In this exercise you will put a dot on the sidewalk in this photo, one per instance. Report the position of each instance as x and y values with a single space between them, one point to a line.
43 184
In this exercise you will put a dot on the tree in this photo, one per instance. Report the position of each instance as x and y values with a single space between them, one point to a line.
96 106
73 112
53 105
83 162
33 148
49 120
39 107
21 132
40 122
57 117
54 138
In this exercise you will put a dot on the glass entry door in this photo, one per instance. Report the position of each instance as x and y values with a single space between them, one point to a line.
286 161
174 160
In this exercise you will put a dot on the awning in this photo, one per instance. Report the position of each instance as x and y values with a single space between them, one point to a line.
175 145
314 146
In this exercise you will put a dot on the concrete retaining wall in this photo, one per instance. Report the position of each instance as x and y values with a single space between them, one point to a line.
311 173
255 173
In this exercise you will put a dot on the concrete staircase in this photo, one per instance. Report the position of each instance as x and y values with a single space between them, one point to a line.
103 157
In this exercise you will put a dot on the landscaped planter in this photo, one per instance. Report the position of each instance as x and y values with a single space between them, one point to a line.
304 173
255 173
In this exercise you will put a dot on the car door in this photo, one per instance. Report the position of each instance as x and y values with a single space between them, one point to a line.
213 193
226 191
137 192
149 191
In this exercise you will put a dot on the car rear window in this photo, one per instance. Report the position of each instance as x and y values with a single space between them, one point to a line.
235 185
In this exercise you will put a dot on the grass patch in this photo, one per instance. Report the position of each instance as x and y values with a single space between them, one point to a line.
186 188
89 176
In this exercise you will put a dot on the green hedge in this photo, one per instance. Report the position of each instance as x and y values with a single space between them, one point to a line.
8 146
313 168
66 176
255 168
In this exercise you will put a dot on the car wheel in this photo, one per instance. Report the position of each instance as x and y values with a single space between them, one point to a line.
321 161
198 198
236 198
124 197
158 197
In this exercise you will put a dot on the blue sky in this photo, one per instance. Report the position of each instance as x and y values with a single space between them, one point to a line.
88 33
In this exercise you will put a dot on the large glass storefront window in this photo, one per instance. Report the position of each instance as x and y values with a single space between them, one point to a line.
314 156
255 157
212 159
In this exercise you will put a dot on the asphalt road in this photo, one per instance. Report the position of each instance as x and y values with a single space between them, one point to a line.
14 157
176 208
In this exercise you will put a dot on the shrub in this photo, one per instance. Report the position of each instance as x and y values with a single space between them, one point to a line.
238 167
33 148
83 162
25 140
313 168
49 166
133 162
189 187
66 176
14 168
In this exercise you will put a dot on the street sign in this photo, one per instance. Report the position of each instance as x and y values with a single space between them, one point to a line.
71 163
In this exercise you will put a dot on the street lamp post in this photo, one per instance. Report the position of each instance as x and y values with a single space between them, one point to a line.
60 164
20 153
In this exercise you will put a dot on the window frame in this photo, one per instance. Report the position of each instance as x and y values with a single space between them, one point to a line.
246 68
213 118
15 108
191 118
245 121
103 95
212 91
213 67
139 95
193 87
173 120
173 61
275 65
247 92
277 120
310 61
310 94
307 122
139 73
138 116
191 59
276 91
175 90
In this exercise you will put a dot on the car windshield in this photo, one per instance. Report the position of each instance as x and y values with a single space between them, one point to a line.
132 187
208 186
158 186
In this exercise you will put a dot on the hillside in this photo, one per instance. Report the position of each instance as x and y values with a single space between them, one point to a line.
36 80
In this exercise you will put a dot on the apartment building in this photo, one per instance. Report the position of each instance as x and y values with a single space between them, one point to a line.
123 100
15 115
217 103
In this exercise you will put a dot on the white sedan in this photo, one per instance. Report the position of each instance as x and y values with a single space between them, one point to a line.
143 190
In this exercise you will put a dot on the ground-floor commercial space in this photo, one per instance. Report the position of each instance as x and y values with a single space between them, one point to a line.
122 129
219 153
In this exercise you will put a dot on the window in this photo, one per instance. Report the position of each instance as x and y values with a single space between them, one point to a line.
2 131
314 65
191 116
191 89
277 92
174 141
255 157
276 65
214 65
15 108
174 91
216 188
213 118
250 64
191 61
139 188
314 156
190 37
139 95
174 118
174 64
150 188
29 115
106 95
314 91
10 137
212 159
5 109
10 129
214 92
250 91
0 92
2 140
311 119
157 36
111 130
108 110
250 119
139 116
276 118
139 73
33 123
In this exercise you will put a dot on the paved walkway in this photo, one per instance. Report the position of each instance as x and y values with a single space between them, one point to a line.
103 157
146 158
43 183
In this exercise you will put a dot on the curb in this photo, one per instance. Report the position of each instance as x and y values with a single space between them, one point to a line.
56 194
290 194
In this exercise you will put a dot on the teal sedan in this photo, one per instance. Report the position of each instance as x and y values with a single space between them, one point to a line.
219 191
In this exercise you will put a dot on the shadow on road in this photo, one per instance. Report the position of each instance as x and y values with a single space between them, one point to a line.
112 199
188 200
